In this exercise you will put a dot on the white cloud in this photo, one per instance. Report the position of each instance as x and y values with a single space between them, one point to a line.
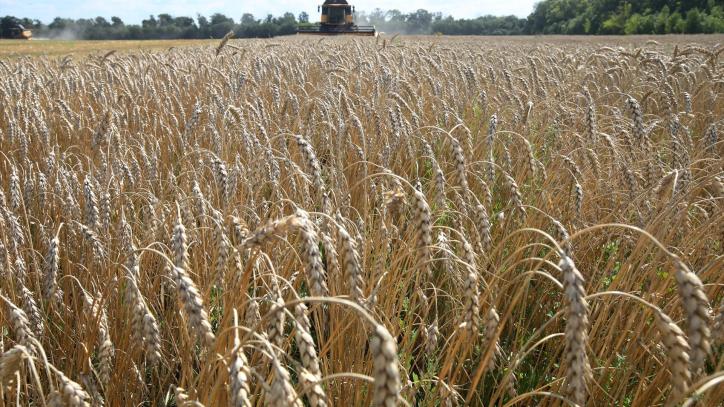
133 11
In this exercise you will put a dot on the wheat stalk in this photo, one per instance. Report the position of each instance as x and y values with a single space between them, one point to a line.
578 370
696 307
385 367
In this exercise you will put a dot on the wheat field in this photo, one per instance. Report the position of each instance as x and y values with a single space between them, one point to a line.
420 221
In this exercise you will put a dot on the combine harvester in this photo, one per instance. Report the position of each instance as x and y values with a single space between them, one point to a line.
21 33
337 19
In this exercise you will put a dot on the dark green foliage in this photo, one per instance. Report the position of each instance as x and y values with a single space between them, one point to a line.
626 17
162 26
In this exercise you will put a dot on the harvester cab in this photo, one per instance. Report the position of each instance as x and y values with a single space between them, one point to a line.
337 17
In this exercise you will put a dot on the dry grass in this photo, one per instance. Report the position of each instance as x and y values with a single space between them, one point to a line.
422 221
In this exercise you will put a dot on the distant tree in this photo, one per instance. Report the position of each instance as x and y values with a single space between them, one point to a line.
184 22
102 22
7 26
575 25
286 24
661 20
165 20
676 23
625 16
134 32
248 19
116 22
204 26
714 22
377 17
693 21
28 23
60 23
187 27
616 23
218 18
394 15
220 25
419 22
303 17
149 23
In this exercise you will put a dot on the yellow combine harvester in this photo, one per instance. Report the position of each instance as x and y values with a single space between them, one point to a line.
21 33
337 19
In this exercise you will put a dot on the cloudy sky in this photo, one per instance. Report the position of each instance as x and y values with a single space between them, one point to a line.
133 11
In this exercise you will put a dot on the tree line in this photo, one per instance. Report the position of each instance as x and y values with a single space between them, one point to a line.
627 17
548 17
162 26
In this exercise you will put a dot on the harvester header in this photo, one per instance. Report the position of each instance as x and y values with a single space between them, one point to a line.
337 18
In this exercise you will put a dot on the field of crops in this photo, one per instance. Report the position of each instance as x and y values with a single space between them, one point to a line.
387 221
54 48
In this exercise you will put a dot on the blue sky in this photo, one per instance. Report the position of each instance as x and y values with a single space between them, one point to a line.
133 11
